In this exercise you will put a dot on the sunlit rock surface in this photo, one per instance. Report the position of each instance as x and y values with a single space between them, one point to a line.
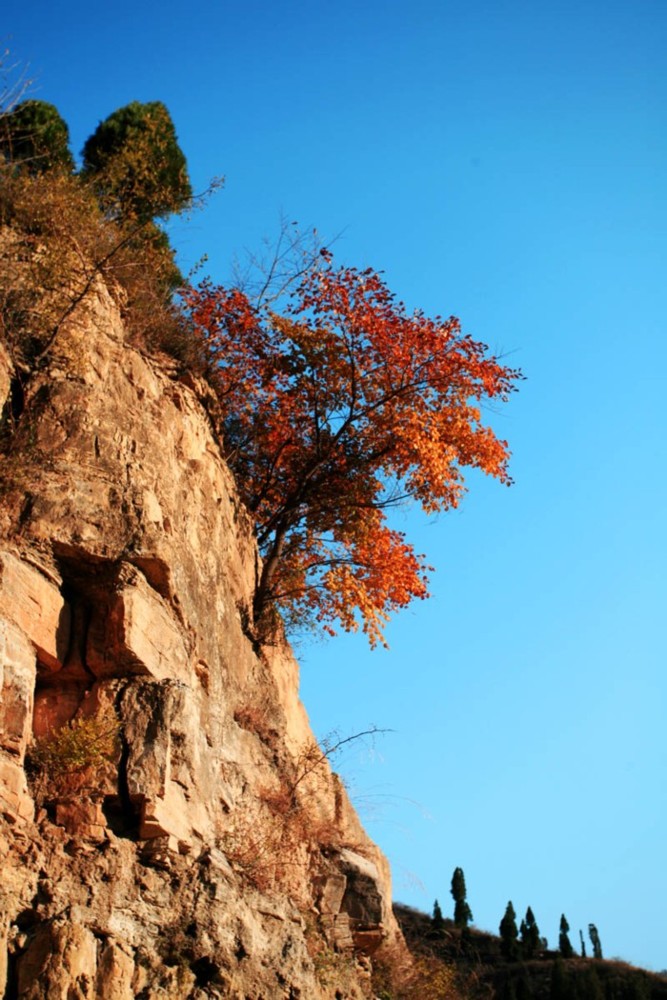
200 860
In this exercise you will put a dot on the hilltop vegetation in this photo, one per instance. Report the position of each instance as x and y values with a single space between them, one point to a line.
331 403
483 971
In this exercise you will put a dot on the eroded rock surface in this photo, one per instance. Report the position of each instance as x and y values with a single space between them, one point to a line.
195 860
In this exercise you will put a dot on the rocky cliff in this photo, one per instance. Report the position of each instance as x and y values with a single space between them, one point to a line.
189 840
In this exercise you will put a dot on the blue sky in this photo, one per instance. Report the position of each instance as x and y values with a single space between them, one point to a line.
505 162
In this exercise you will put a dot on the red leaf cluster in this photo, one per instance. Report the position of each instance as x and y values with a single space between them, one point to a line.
334 411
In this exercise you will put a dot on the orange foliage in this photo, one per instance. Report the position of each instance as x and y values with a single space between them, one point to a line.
334 411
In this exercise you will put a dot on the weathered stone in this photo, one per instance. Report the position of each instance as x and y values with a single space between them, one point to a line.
206 881
5 375
367 942
15 800
55 706
115 970
167 754
4 953
139 634
77 817
17 686
60 963
363 899
342 933
35 604
331 893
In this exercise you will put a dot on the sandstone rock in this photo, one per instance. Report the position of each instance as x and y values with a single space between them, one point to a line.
5 375
363 898
4 953
115 971
17 685
167 756
131 885
35 604
84 818
60 963
55 706
137 633
367 942
342 933
331 893
15 800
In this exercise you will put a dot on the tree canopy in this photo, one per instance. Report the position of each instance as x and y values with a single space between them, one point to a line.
595 940
135 163
332 412
530 935
509 945
462 912
34 136
564 943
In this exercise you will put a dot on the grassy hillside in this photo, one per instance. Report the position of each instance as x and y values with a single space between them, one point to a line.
483 972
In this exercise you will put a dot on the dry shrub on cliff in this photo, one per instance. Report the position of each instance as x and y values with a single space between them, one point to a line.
272 844
428 978
266 846
54 242
70 760
259 719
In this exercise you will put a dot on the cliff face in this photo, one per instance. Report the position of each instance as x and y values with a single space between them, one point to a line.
214 854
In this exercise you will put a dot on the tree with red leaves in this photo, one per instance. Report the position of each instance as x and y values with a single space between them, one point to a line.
332 412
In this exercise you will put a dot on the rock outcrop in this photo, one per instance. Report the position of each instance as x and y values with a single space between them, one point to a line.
211 852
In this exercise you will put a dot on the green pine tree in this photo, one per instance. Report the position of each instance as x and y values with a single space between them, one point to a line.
564 943
34 136
595 940
437 921
462 912
530 935
135 163
509 945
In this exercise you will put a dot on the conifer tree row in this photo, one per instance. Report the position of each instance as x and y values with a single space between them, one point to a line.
133 160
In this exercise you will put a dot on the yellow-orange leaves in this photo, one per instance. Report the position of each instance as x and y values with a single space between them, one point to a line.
333 411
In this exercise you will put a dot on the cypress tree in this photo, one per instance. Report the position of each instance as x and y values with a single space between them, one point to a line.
583 946
595 940
462 912
135 164
530 935
34 136
509 945
564 943
437 921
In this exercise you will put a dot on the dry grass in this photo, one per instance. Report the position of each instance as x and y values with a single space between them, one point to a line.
54 242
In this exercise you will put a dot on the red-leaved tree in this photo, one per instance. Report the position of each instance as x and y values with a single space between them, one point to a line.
334 411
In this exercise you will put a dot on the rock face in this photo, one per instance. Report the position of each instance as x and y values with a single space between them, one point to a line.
210 852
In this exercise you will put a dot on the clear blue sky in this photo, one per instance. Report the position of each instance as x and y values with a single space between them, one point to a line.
504 161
